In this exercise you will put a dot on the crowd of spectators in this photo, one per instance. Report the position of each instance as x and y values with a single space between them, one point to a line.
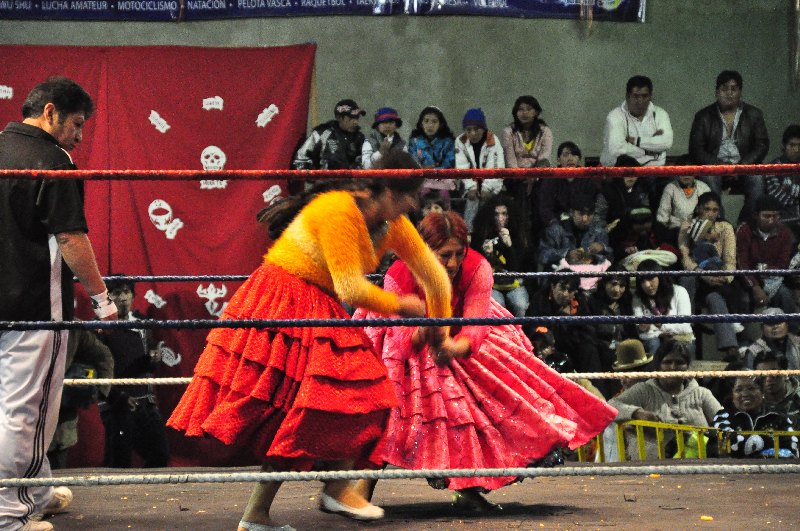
664 226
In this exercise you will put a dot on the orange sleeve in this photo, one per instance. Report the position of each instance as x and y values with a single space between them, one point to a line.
347 249
429 273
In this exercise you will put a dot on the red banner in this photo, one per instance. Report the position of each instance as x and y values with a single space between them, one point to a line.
176 108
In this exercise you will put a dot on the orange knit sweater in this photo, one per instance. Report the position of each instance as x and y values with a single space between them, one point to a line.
328 244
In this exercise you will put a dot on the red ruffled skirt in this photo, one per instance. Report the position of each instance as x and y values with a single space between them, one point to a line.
292 395
501 407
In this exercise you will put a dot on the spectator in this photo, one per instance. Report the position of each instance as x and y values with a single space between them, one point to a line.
560 296
637 129
618 197
786 188
559 192
85 352
781 393
709 243
577 239
527 143
334 145
678 204
630 356
432 145
674 400
130 415
478 148
612 298
544 346
776 338
766 243
730 131
580 261
503 250
431 201
748 414
722 388
657 295
636 233
383 138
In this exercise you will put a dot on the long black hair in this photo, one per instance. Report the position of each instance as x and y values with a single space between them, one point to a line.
665 290
485 225
280 214
444 129
516 126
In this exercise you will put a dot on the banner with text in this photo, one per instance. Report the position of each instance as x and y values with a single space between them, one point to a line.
166 10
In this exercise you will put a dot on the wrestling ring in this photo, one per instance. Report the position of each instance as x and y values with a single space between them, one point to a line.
665 494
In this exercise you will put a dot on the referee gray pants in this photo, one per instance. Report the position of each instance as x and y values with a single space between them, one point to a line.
31 378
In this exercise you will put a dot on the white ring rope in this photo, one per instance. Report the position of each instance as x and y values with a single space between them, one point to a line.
571 376
237 477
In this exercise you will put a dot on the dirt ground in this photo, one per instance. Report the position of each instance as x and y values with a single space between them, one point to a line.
762 501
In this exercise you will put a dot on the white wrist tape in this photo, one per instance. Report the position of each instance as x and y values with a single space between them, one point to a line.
100 297
103 306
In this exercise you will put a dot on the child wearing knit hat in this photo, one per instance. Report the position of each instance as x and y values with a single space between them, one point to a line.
478 148
383 138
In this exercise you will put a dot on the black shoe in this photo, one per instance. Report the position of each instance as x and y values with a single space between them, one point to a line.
554 458
471 501
439 483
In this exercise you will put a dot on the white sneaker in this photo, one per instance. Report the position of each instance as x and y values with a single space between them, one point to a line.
62 498
737 328
35 525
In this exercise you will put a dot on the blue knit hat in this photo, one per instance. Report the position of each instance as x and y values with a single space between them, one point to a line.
386 114
474 117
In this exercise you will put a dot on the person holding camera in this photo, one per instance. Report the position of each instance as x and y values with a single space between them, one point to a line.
492 238
130 414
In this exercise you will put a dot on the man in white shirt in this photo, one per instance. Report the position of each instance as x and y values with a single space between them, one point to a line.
637 129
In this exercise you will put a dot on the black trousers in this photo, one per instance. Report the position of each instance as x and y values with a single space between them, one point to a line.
142 431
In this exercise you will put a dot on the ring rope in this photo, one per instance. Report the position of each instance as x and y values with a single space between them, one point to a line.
237 477
197 324
571 376
408 474
520 274
431 173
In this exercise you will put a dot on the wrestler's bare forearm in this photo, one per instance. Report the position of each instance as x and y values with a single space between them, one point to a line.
78 254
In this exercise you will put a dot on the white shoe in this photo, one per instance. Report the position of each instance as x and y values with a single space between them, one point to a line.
737 328
62 498
36 525
329 504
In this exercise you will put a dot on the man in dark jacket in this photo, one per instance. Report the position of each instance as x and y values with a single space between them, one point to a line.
334 145
130 414
565 239
766 243
730 131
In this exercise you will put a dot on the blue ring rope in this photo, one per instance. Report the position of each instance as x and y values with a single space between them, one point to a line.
197 324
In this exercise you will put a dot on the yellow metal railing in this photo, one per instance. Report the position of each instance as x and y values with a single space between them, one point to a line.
681 430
